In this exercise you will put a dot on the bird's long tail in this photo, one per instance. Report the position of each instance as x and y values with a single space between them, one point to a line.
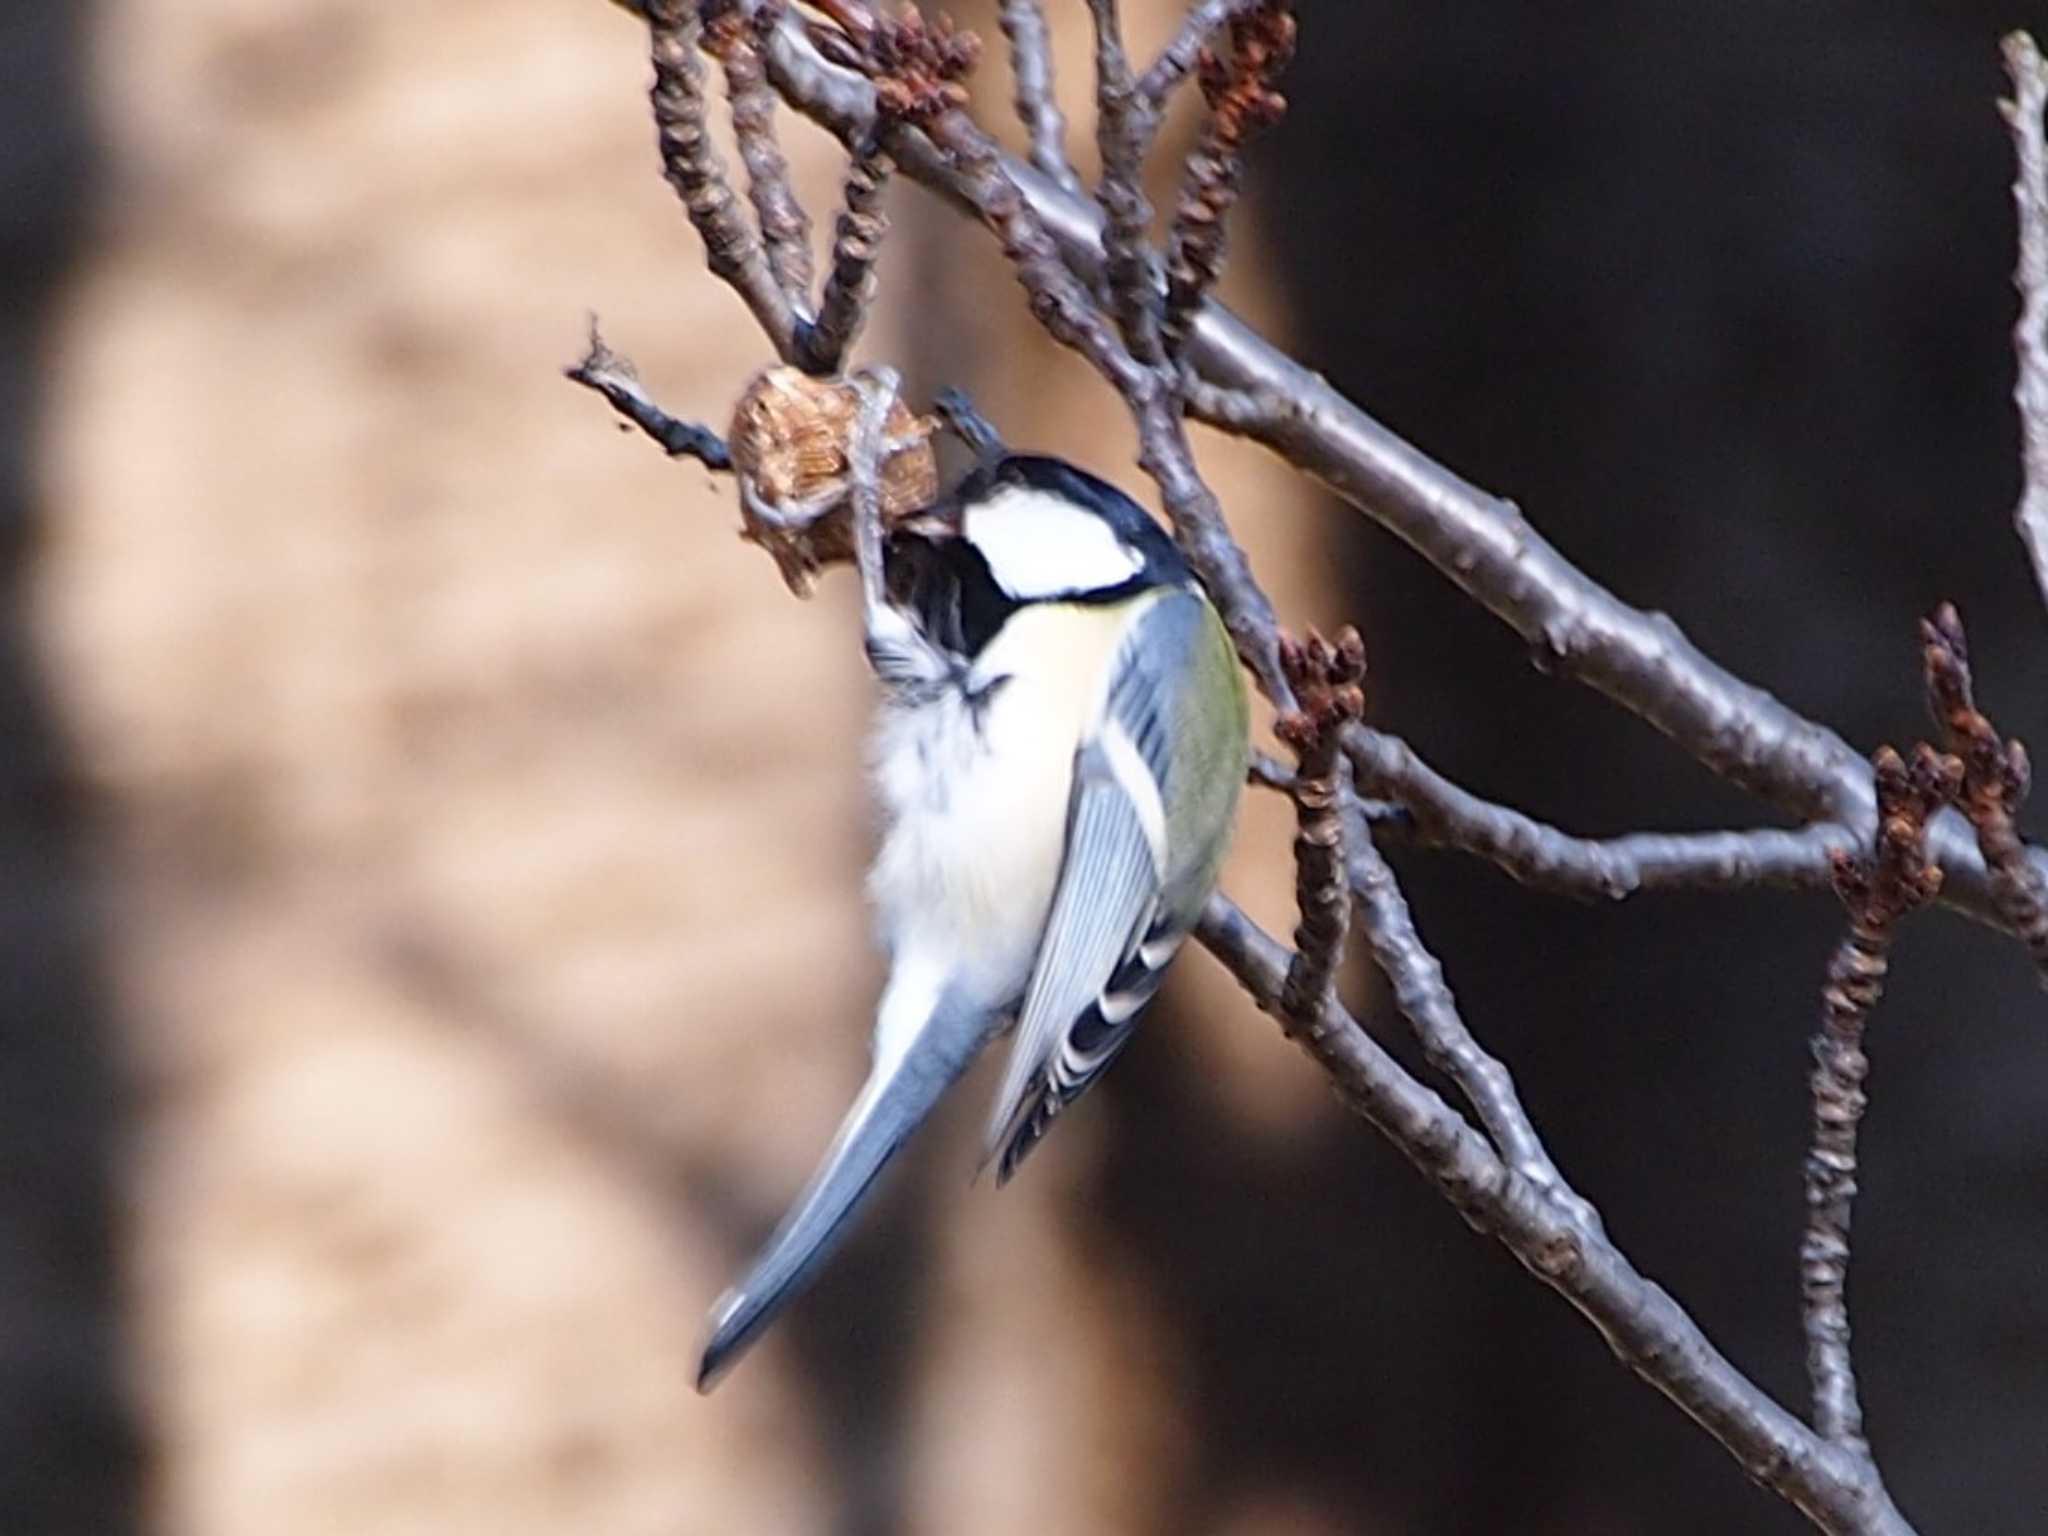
900 1092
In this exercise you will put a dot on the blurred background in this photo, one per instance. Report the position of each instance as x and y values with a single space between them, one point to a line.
432 933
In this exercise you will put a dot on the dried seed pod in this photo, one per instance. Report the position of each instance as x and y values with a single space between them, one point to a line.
789 445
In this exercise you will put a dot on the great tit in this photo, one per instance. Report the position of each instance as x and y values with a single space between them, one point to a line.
1059 751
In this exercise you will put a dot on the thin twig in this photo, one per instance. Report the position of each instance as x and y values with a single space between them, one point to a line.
1481 543
1839 1491
1996 776
1180 56
1124 129
1066 309
2024 116
618 381
1608 869
1037 101
959 415
1239 91
692 165
1878 889
1328 681
1242 412
856 242
785 227
1424 999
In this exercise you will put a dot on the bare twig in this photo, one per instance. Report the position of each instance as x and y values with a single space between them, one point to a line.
1610 869
618 381
1878 889
1180 56
1996 776
1424 999
1244 412
1327 680
1068 311
1124 129
2024 116
785 228
856 242
1481 543
692 165
959 415
1239 91
1037 102
1838 1490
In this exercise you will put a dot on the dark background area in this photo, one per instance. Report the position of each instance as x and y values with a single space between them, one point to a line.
1720 295
70 1446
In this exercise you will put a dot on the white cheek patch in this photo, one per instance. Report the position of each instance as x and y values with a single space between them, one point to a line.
1038 545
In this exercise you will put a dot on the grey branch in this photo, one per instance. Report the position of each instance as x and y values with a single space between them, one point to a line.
856 242
785 227
2024 117
1449 816
1178 59
1124 128
1425 1001
1642 661
692 165
1037 101
618 381
1878 888
1839 1491
1328 680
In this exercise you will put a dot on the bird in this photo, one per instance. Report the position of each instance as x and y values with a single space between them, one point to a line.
1058 751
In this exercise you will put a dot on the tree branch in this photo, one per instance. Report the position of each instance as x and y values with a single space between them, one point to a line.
1995 781
618 381
1878 889
2024 115
1037 102
1447 816
1481 543
1179 58
1327 679
856 242
785 227
1124 130
1839 1491
1241 100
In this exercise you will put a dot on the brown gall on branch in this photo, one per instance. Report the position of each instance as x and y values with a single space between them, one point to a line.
785 228
692 165
1995 781
618 381
1837 1490
794 440
1878 889
1237 85
2024 116
1328 680
1444 815
1479 542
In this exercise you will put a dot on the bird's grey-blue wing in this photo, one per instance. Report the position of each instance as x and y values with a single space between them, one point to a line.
1119 913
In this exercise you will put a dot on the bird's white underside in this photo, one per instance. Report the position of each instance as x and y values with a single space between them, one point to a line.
976 800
